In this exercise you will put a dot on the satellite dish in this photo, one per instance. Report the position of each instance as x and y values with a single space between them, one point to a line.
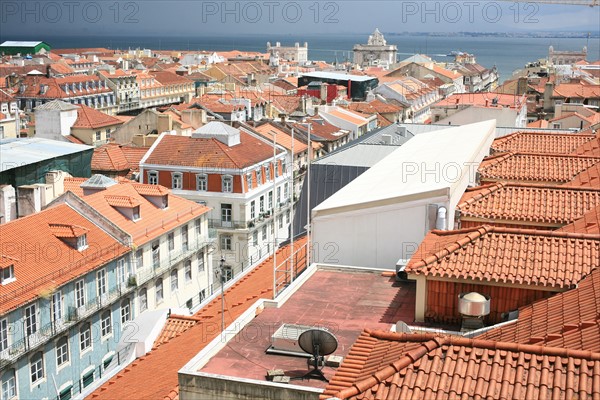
319 343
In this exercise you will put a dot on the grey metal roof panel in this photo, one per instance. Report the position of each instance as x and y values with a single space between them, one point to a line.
57 105
359 155
18 152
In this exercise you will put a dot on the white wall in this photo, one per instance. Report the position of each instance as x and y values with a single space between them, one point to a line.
374 238
54 124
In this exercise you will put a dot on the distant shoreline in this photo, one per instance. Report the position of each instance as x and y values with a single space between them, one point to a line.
534 35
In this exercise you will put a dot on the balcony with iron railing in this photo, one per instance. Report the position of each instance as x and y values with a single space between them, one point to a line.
53 329
173 257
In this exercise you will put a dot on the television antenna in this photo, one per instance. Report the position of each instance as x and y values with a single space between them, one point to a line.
320 343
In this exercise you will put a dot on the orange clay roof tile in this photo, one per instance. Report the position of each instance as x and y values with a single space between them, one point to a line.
392 366
519 203
536 167
507 255
536 142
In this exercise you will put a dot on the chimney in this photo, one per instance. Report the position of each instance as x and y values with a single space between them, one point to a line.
282 119
48 71
487 102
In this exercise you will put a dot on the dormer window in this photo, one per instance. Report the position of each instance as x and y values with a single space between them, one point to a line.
259 177
7 274
82 242
249 181
201 182
268 172
136 213
128 206
227 184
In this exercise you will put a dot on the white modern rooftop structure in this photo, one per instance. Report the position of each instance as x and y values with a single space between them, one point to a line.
384 214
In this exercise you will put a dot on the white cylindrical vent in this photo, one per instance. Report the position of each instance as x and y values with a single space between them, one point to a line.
440 222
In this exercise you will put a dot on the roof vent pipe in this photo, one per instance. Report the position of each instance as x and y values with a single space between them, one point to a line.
440 222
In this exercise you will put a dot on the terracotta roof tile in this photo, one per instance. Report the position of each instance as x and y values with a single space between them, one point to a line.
154 221
567 317
587 223
67 231
391 366
513 203
36 272
506 255
535 142
91 118
168 358
175 326
536 167
576 90
201 152
109 157
591 148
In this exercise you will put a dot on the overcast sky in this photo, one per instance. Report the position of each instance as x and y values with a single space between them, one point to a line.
192 18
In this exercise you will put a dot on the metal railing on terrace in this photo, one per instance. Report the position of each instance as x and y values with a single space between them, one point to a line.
171 258
53 329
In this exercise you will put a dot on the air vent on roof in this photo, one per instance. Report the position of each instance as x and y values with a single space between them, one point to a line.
285 340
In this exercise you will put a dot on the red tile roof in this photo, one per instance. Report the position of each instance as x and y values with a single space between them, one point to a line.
154 221
67 231
576 90
122 201
175 326
527 204
168 358
588 178
484 99
506 255
24 240
170 78
201 152
90 118
392 366
535 142
591 148
535 167
587 223
567 318
109 157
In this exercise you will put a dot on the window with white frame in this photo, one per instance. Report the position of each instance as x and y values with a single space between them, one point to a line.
200 261
121 272
174 280
57 307
225 242
255 238
264 232
287 217
79 293
9 385
7 274
159 291
3 334
202 295
280 221
184 237
143 295
98 135
202 182
153 178
85 336
125 311
106 323
259 176
82 242
227 184
276 169
286 191
252 209
171 241
278 194
261 203
270 200
187 270
156 253
139 258
268 172
31 318
101 282
198 225
249 181
177 180
36 367
226 213
62 351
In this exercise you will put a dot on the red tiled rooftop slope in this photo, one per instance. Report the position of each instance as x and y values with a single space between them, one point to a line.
536 167
35 270
587 223
90 118
154 375
200 152
553 143
570 318
506 255
591 148
175 326
390 366
109 157
555 205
